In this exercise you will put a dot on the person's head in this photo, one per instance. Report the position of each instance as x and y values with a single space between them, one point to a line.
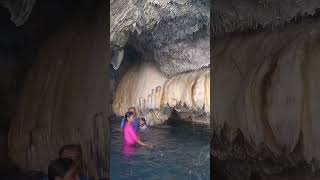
130 116
132 109
142 121
62 169
72 151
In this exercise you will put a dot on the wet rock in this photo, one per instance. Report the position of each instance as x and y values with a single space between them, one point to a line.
135 87
266 86
155 95
234 16
20 10
174 32
64 98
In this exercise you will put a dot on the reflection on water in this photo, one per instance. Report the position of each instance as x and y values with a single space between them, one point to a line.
180 152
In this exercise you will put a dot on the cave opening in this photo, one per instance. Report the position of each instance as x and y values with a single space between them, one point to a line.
161 67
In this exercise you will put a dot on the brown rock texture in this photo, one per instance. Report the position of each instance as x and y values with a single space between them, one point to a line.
266 86
64 100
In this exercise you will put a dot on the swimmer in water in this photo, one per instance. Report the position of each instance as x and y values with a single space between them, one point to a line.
130 137
142 124
135 122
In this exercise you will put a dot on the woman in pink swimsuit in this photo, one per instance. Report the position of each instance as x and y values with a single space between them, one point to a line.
130 137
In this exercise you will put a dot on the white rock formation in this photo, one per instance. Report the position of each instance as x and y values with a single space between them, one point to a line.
155 96
20 10
267 86
64 99
136 86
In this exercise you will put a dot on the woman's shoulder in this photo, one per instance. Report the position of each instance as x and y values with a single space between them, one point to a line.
128 126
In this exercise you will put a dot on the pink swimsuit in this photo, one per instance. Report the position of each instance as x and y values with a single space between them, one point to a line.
130 136
129 139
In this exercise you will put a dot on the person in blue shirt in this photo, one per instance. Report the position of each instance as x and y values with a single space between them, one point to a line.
135 122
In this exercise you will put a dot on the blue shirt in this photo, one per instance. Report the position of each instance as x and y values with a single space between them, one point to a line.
135 123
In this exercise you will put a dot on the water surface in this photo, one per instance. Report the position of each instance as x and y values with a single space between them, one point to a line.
181 152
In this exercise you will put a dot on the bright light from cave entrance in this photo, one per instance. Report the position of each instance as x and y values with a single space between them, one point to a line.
160 79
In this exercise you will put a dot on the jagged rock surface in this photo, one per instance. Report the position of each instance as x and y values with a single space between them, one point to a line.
155 96
173 33
20 10
243 15
64 99
267 86
136 84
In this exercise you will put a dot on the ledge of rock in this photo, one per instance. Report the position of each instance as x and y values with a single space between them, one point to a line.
156 95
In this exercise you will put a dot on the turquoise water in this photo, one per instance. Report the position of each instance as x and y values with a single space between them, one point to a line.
180 152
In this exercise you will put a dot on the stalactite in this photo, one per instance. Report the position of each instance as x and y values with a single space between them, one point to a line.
187 93
265 87
20 10
64 100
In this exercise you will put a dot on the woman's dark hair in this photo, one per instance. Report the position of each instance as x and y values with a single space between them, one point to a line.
59 167
143 119
128 114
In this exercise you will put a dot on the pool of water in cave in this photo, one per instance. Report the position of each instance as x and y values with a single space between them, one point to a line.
181 151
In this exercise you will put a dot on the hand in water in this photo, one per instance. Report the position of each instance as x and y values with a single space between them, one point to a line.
149 146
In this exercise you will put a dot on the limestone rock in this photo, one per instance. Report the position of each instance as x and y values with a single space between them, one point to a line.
242 15
266 85
174 32
155 96
20 10
136 85
64 99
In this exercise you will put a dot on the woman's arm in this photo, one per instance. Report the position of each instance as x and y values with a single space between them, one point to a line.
142 144
135 136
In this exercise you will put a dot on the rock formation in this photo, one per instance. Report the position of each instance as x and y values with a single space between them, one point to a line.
264 87
264 79
173 33
172 38
234 16
137 84
265 98
64 98
155 95
20 10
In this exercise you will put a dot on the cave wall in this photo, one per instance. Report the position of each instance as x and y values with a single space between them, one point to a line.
172 33
10 56
136 83
266 96
64 98
7 99
172 36
230 16
22 32
155 95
